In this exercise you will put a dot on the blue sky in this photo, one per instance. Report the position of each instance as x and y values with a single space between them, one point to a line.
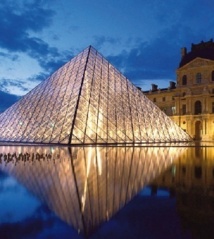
142 38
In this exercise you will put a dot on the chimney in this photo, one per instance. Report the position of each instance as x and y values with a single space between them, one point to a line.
154 87
172 85
183 52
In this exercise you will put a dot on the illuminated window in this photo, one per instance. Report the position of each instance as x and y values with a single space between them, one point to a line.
173 110
184 80
198 78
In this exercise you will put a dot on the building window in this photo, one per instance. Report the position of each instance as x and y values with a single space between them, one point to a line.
198 172
198 107
183 109
212 107
164 110
154 100
212 91
168 110
183 94
198 78
184 80
173 110
212 75
183 170
164 98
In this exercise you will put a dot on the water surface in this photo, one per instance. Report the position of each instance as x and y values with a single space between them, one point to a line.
106 192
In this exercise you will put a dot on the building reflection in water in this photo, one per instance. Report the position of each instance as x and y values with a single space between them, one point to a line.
85 186
190 179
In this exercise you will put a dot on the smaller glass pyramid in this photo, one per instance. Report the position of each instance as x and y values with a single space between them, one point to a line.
87 101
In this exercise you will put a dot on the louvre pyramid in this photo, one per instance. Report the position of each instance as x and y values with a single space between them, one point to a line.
87 101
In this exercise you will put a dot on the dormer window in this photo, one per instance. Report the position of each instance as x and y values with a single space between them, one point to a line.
184 80
198 78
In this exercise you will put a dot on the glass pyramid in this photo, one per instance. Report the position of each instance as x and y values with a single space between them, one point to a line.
87 101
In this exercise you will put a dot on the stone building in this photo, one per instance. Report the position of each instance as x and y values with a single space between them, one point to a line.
190 101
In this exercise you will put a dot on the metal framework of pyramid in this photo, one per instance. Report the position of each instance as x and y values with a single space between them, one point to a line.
87 101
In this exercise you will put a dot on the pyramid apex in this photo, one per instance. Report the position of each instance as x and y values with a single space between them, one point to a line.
89 48
92 47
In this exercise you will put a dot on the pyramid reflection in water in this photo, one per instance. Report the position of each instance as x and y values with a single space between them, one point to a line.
86 186
87 101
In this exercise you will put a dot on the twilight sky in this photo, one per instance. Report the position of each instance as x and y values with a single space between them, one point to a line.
142 38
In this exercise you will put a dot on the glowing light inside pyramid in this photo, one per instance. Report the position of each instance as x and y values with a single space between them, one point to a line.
87 101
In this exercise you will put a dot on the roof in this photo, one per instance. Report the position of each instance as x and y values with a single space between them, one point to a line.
203 50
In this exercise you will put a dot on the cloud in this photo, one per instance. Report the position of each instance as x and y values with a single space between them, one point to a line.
21 86
54 62
12 57
147 61
152 58
100 41
18 25
157 58
7 83
16 87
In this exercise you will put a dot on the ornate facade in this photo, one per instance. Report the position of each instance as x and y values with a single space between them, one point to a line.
190 102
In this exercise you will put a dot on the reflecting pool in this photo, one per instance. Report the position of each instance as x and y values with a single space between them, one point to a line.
164 191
